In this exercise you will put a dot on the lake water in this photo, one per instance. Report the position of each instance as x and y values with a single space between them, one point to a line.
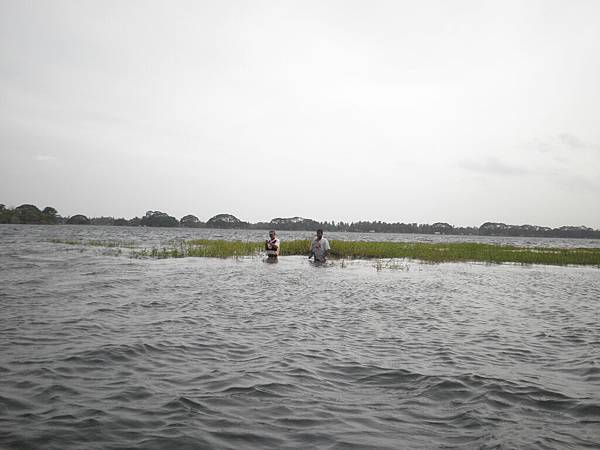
99 350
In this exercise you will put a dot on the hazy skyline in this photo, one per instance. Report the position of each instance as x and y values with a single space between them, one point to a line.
462 112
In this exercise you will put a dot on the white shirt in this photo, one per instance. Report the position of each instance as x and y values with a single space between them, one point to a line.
319 247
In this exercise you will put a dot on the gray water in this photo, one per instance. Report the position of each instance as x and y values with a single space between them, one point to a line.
99 350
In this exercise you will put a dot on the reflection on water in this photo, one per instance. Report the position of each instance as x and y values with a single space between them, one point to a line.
102 351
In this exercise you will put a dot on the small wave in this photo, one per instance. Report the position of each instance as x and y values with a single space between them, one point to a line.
245 438
588 411
177 440
12 405
111 353
391 378
56 392
449 390
266 390
130 394
184 403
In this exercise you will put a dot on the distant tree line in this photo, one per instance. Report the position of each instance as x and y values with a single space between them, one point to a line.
31 214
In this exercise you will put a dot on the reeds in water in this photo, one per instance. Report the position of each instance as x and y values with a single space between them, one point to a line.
204 248
429 252
456 252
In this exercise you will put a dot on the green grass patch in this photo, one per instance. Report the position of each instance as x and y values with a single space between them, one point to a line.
456 252
204 248
435 253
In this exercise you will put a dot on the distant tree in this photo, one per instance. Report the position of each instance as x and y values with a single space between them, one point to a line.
493 229
574 232
226 221
5 214
442 228
158 219
135 222
78 219
260 226
28 214
190 221
102 220
466 230
121 222
294 223
49 215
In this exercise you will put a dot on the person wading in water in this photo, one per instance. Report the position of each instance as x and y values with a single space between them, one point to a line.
272 247
319 248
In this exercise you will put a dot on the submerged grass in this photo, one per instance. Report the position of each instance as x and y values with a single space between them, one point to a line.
429 252
204 248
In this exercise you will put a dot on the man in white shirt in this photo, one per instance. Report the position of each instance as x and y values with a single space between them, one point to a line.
319 248
272 247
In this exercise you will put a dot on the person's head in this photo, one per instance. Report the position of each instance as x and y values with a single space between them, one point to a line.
272 234
319 233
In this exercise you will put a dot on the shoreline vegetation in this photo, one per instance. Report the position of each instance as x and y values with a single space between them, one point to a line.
340 250
31 214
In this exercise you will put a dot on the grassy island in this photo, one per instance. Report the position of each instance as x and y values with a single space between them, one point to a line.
429 252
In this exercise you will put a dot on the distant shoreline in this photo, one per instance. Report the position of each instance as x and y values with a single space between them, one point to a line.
31 214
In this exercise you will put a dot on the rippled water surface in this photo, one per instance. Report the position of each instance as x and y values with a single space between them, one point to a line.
99 350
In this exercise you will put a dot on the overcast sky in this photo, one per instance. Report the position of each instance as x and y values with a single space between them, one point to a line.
455 111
